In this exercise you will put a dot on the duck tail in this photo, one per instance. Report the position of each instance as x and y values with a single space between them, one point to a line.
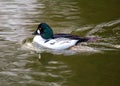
87 39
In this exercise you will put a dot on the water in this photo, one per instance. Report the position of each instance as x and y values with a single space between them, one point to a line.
91 64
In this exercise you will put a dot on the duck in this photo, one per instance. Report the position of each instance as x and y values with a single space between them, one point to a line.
45 37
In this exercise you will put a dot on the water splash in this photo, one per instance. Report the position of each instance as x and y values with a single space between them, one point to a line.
82 48
108 34
102 25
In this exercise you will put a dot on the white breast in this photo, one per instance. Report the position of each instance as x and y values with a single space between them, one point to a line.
58 43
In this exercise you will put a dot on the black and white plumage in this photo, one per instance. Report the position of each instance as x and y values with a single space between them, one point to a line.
45 37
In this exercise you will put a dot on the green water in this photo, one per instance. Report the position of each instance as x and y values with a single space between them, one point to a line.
94 64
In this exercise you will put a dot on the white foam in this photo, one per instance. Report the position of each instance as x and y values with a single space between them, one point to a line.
84 49
117 46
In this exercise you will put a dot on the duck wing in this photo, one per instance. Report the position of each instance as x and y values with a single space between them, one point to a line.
73 37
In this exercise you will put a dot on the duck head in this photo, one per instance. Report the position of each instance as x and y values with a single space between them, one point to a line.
44 30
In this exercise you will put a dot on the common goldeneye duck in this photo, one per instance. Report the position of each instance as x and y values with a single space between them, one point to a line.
44 37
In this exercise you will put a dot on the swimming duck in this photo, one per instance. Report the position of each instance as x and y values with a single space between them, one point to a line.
44 37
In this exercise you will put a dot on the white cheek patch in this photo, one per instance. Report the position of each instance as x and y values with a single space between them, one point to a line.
38 31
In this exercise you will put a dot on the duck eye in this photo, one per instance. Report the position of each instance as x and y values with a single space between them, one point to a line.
38 31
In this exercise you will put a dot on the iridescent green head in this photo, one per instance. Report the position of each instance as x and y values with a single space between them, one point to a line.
44 30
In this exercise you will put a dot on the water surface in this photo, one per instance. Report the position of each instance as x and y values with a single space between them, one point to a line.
94 64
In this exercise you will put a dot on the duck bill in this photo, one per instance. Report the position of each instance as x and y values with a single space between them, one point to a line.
35 33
